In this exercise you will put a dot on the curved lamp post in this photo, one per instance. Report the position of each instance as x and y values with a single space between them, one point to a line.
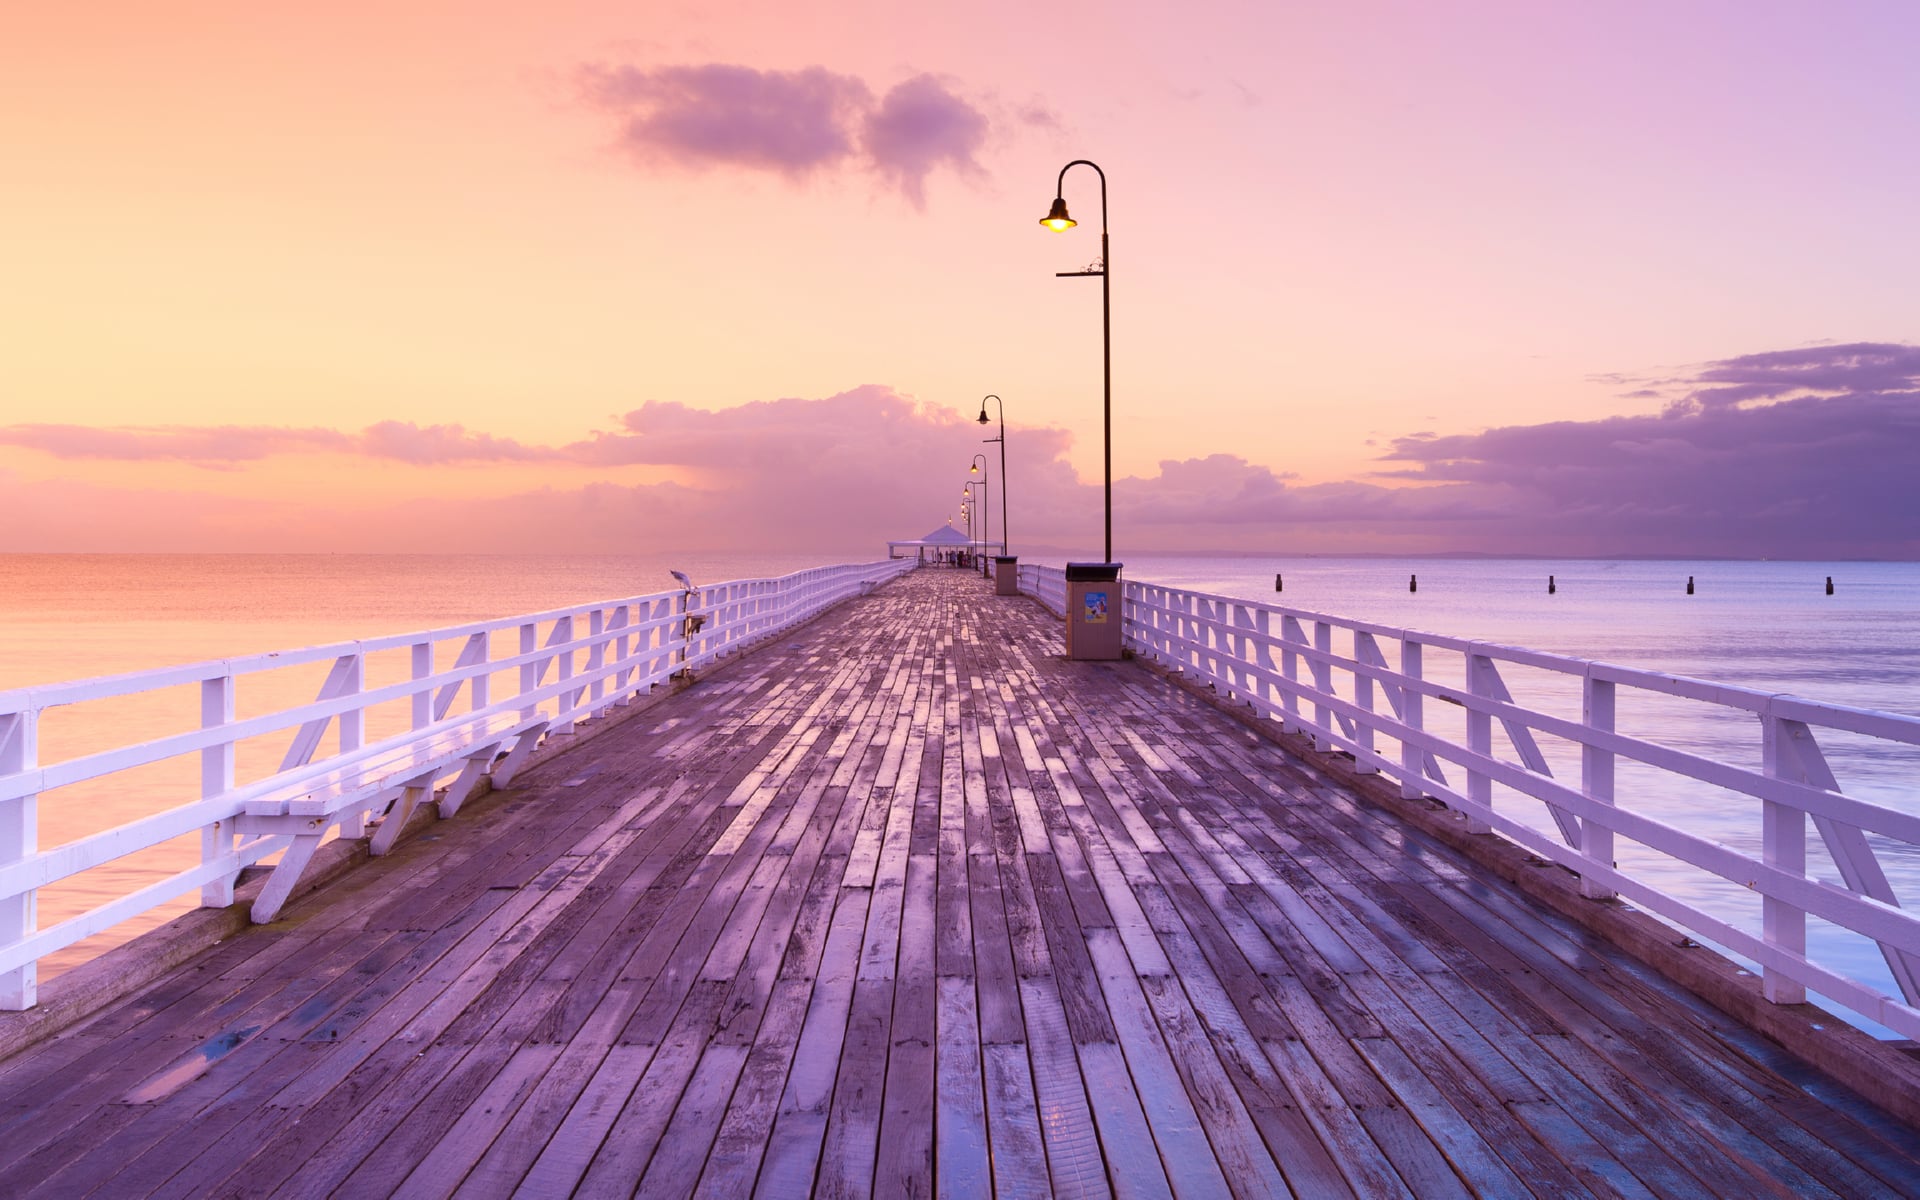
1058 221
1001 406
968 505
986 511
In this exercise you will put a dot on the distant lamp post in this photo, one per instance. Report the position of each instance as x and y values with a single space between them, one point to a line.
970 509
1058 221
1001 408
966 511
986 511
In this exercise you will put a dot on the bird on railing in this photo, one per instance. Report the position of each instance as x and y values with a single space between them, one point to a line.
684 581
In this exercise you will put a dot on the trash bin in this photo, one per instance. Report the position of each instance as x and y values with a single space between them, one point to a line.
1093 610
1006 575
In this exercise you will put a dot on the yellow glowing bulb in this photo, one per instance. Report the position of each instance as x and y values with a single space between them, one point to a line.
1057 218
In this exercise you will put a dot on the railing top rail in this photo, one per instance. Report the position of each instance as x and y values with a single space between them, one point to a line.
103 687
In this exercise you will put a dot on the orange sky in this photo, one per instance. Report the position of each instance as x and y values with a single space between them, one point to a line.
1334 226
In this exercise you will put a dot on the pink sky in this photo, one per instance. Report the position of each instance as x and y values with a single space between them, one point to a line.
1513 277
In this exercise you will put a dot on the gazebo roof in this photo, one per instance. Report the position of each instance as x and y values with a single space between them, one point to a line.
946 535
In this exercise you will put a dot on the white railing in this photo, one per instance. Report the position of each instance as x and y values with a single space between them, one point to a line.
1048 585
385 701
1364 689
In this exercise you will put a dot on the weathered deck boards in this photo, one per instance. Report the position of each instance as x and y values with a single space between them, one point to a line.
907 904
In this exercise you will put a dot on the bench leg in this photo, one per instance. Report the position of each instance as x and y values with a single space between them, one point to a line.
411 794
280 884
503 774
461 788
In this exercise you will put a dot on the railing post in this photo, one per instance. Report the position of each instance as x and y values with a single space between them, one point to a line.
1291 635
352 727
562 640
1322 684
596 658
623 669
1596 782
1783 844
529 671
422 697
1363 700
1479 740
216 779
481 689
1413 707
19 840
1263 655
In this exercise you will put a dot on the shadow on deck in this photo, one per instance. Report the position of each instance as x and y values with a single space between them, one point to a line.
906 903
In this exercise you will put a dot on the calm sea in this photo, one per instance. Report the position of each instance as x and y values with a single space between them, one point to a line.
1764 625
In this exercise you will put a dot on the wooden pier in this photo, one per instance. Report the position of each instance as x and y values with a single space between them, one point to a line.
906 904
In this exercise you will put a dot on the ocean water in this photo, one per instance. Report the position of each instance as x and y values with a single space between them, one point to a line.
1764 625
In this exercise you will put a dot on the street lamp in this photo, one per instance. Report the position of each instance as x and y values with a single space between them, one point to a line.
986 510
967 509
1058 221
1001 407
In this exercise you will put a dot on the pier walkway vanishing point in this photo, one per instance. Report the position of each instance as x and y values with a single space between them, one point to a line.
905 903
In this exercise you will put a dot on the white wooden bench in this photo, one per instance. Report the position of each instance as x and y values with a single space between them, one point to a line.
391 777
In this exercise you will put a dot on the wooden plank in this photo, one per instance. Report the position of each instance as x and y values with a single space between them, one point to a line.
439 1173
630 1140
733 1161
1238 1148
571 1151
1126 1141
1466 1150
960 1118
1192 1167
682 1153
852 1138
793 1150
1079 988
1291 1140
904 1164
998 990
521 1141
1075 1166
1018 1155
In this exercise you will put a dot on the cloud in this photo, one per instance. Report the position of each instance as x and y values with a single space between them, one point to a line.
792 123
1798 453
1862 367
216 446
918 126
1816 463
433 444
839 474
228 445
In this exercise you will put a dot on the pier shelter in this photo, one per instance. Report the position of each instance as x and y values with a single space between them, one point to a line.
940 542
905 903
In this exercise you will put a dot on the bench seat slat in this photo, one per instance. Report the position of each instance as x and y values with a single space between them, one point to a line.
375 780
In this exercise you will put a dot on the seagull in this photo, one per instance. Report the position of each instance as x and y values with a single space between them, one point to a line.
684 581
